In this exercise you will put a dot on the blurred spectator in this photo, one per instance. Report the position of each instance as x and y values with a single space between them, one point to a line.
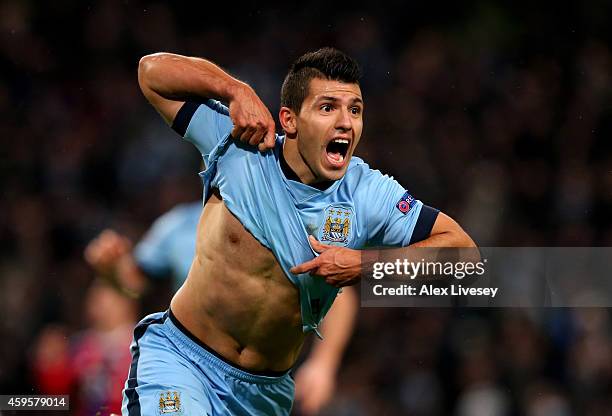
90 365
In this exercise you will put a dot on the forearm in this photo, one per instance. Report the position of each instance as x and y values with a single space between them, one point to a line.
337 329
181 78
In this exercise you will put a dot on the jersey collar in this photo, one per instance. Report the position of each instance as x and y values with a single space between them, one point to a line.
299 190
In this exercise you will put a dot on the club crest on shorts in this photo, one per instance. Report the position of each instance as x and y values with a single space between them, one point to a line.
336 229
405 203
170 403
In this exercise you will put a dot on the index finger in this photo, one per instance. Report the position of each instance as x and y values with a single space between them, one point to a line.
305 267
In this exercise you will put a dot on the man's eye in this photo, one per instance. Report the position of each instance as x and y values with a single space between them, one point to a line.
326 107
355 110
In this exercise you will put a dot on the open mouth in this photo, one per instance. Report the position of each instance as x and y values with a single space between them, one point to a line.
337 150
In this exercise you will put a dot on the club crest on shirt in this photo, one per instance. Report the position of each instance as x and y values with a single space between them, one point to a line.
170 403
336 229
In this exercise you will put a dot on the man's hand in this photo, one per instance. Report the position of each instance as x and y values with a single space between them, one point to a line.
339 266
315 383
110 254
104 252
253 123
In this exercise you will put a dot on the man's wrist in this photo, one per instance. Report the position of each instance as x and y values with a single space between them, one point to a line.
368 258
234 89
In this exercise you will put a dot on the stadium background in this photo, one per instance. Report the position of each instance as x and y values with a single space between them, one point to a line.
499 114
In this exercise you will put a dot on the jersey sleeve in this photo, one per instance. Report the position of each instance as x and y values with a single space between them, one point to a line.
203 124
397 219
152 251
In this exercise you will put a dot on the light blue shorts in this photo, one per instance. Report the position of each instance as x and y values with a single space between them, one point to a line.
173 373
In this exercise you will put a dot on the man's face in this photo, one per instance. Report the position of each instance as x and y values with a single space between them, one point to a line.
329 127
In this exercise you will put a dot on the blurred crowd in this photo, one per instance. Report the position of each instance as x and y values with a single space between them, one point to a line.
497 114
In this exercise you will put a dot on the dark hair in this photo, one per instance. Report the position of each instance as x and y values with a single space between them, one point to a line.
326 63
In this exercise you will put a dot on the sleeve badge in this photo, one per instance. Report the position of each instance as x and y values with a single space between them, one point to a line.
406 202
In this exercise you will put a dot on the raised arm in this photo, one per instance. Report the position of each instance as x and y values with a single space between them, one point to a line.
168 80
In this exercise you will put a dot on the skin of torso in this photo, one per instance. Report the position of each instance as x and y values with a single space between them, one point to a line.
236 299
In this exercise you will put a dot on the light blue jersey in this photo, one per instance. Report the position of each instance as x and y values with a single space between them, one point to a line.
364 208
168 248
172 371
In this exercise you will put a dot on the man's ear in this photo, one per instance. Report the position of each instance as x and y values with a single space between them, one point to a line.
288 120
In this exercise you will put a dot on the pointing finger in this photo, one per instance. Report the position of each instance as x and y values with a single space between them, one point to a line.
305 267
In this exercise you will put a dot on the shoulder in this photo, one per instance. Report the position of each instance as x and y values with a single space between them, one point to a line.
360 173
372 190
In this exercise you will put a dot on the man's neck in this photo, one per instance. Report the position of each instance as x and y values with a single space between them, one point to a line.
296 169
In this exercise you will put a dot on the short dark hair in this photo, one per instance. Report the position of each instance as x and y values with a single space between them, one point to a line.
326 63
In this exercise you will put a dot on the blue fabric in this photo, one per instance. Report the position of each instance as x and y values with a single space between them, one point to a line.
357 211
168 248
209 124
168 365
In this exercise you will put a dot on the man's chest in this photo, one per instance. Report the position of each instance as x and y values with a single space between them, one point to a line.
222 238
332 222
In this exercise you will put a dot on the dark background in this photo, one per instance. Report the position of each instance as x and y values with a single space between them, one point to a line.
498 114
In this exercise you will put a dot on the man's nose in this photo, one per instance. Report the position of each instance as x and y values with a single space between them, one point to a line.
343 121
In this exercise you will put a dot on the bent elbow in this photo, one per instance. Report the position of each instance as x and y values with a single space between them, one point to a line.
149 66
145 67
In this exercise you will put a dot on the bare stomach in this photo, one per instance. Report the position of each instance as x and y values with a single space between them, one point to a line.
237 299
